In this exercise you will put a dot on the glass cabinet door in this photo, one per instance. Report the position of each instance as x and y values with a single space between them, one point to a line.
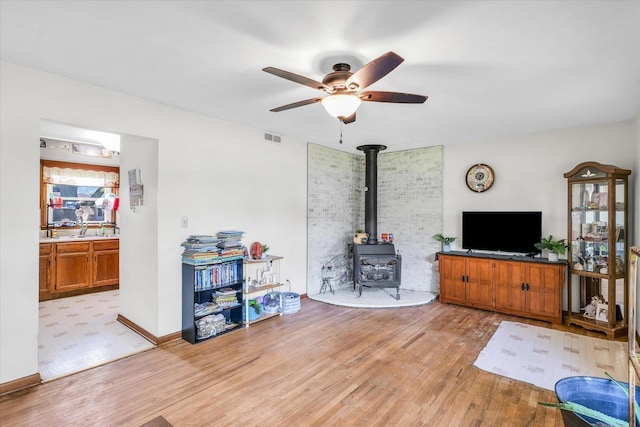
597 229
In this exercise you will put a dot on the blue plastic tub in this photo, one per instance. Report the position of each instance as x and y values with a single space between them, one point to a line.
600 394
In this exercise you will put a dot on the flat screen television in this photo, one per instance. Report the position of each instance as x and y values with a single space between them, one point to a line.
507 231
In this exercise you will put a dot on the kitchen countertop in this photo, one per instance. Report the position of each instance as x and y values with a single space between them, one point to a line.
74 238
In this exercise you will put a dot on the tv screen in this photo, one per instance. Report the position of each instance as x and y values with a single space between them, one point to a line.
502 231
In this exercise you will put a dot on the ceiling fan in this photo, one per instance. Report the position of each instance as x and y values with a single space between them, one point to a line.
344 87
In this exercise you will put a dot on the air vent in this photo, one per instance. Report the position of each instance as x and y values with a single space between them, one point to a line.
272 138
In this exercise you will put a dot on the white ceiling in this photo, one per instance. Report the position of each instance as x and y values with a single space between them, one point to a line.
491 69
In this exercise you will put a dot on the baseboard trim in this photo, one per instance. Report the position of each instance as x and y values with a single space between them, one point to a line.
170 337
20 384
146 334
163 339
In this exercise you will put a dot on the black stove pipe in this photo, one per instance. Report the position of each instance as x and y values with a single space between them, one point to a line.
371 194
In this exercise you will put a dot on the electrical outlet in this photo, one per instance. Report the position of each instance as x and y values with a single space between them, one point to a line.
185 222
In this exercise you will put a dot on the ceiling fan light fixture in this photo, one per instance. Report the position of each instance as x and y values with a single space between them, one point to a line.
341 105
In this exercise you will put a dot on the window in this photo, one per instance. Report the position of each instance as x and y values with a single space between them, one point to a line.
74 192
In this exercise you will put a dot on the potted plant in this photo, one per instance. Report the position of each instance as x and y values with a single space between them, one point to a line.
555 247
446 242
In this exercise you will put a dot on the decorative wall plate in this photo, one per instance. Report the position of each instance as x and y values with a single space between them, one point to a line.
479 178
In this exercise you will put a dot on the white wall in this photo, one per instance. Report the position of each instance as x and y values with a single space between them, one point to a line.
218 174
139 234
529 172
53 151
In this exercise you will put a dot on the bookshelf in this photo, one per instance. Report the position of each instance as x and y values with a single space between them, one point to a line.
212 298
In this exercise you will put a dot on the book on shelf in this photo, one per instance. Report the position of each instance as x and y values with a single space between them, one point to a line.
225 299
216 275
226 291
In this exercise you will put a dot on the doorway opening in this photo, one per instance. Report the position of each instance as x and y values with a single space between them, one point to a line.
81 249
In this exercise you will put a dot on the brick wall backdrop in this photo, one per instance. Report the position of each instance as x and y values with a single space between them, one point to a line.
334 207
409 206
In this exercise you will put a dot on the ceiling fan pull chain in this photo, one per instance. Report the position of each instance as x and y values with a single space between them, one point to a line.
340 131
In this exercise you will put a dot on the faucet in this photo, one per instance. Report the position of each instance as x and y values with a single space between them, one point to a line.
80 217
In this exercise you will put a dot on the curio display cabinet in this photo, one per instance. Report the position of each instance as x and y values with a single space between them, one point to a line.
598 248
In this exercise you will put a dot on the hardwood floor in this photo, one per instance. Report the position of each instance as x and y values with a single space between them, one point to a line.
324 366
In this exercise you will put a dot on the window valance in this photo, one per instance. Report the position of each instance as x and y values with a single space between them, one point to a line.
80 177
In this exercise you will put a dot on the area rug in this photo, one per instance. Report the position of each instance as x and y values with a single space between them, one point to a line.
542 356
375 298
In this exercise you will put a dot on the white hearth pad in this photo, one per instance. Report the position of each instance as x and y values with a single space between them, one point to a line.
375 298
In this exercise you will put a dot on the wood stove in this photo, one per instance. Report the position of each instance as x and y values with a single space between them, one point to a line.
375 264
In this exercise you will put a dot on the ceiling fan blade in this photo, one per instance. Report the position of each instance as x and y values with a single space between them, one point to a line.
374 71
296 104
349 119
295 78
400 98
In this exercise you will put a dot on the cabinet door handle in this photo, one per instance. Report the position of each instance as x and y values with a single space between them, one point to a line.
522 286
463 278
527 286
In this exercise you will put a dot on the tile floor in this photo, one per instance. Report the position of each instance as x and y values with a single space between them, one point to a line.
82 332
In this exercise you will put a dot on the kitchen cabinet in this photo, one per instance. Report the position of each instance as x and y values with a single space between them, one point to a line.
76 267
522 287
73 270
106 263
46 274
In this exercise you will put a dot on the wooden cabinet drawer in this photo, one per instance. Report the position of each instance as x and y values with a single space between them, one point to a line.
104 245
46 248
72 247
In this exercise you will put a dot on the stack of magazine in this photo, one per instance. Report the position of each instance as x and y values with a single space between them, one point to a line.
200 249
230 244
205 249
